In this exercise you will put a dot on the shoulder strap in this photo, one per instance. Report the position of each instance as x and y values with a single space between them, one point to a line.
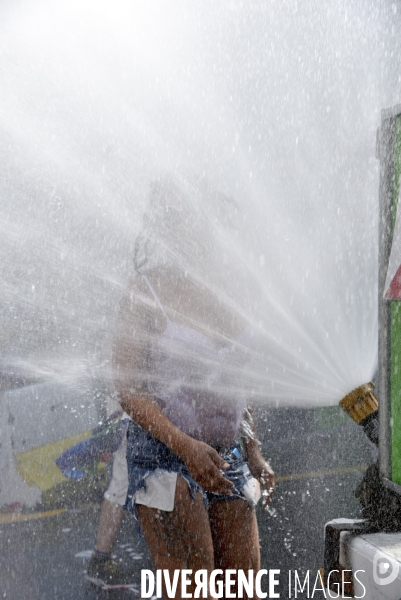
155 296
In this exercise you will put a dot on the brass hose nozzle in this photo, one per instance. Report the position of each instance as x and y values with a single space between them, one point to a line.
361 402
362 406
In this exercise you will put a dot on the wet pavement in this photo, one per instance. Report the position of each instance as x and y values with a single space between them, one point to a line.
318 467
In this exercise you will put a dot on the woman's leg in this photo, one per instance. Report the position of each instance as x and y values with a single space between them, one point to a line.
111 518
235 536
180 539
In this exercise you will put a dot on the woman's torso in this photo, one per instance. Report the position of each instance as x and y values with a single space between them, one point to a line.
196 363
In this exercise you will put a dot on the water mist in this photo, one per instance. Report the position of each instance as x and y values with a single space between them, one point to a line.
263 103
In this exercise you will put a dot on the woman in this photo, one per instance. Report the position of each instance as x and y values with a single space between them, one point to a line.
180 354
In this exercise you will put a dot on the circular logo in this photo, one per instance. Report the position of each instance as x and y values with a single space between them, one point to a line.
385 569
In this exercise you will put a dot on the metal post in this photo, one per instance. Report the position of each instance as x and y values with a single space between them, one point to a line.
386 154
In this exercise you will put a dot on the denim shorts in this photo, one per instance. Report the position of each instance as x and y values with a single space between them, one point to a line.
145 454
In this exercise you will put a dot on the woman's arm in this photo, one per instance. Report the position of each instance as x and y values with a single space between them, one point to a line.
136 322
202 461
257 464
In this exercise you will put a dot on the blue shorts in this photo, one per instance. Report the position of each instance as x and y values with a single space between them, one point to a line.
145 453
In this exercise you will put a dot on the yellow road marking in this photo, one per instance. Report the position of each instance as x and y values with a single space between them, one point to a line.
15 517
315 474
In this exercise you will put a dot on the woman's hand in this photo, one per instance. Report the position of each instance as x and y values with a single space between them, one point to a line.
202 461
263 473
204 465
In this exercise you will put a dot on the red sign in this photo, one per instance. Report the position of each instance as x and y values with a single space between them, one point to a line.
394 289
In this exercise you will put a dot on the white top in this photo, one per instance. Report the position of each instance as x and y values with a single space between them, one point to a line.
199 386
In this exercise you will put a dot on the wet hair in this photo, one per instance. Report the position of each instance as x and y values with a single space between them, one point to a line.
160 189
140 253
166 197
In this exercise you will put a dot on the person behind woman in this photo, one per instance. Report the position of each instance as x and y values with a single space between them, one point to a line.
181 351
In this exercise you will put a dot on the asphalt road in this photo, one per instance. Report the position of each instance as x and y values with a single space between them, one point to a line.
318 467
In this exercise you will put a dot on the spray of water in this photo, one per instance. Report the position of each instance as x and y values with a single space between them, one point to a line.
273 107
